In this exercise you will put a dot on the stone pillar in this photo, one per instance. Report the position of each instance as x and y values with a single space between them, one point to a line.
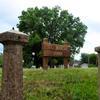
45 63
97 49
12 73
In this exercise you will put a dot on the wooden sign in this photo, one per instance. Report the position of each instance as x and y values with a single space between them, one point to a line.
54 50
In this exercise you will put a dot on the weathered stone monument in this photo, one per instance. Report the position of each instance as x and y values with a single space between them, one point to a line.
97 49
12 73
55 50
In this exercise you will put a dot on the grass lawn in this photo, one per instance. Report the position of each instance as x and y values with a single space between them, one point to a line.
60 84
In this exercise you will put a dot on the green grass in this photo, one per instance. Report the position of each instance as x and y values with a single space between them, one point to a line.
60 84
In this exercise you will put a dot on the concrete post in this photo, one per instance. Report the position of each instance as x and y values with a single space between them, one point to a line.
12 73
97 49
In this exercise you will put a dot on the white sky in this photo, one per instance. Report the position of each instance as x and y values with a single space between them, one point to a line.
87 10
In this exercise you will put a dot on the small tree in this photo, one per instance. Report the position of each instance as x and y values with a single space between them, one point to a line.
93 59
84 58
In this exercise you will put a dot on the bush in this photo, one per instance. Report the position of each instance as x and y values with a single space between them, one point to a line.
92 65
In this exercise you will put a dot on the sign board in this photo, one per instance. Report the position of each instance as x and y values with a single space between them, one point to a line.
55 50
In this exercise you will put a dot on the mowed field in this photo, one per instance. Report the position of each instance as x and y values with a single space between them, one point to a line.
60 84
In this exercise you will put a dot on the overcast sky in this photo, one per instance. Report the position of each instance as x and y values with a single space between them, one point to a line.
87 10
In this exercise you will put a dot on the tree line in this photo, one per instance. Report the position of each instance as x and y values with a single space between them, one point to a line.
90 59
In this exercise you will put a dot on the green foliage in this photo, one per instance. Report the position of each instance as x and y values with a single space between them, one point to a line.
52 61
91 59
84 58
92 65
27 55
55 24
60 84
33 46
34 39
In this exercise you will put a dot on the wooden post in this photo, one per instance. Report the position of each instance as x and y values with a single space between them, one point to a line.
65 62
45 63
66 59
45 57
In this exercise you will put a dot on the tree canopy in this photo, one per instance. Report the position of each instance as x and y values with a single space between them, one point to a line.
55 24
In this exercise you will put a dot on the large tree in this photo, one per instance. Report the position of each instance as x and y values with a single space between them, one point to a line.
55 24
